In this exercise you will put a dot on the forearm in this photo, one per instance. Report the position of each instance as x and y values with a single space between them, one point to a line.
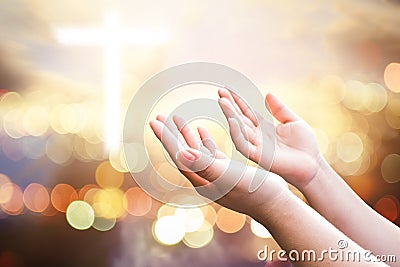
329 194
297 227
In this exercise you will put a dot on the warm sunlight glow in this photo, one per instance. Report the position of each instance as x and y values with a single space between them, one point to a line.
111 38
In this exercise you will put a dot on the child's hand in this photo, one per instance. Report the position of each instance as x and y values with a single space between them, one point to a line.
200 160
296 156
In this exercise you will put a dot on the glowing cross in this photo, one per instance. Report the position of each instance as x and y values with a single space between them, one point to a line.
111 37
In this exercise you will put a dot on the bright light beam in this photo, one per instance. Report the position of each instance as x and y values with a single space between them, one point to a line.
112 83
111 37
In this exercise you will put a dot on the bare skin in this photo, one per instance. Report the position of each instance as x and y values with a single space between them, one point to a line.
299 161
294 225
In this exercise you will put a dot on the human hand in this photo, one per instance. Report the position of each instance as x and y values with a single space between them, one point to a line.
296 157
202 162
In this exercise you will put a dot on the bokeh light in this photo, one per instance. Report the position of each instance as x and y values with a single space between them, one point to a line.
388 207
36 197
390 168
80 215
72 118
94 150
12 149
168 230
117 159
259 230
12 105
392 115
230 221
90 195
104 224
210 215
104 210
392 77
355 96
168 177
192 218
34 147
15 203
132 151
12 124
59 149
55 120
394 106
11 100
62 195
199 238
50 210
349 147
366 98
107 176
5 190
111 203
82 192
377 97
137 202
35 121
166 210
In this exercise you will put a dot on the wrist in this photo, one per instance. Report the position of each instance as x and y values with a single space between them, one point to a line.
272 205
320 177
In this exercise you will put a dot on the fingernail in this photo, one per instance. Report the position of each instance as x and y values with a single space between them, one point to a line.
187 155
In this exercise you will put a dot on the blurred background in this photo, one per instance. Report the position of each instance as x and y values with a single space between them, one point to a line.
68 70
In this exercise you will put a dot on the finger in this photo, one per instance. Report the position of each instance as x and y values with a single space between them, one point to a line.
229 112
173 129
202 180
241 144
240 106
157 127
195 179
245 109
161 118
166 137
198 162
191 138
227 108
222 173
225 93
279 110
185 156
209 142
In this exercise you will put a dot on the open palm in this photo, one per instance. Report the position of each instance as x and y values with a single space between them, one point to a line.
288 149
199 159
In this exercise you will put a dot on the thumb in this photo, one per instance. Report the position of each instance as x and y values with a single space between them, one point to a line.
279 110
